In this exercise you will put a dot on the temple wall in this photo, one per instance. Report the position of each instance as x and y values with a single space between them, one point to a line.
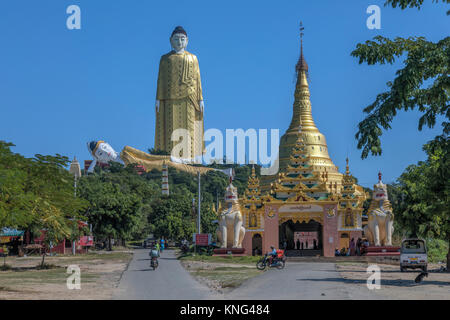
271 229
247 243
355 235
330 232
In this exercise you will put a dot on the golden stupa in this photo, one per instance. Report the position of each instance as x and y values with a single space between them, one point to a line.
302 124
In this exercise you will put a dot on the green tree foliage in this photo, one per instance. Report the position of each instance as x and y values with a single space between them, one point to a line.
171 217
158 152
37 194
403 4
421 197
426 62
15 202
119 201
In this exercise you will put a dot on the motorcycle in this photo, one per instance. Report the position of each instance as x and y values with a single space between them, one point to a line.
184 248
154 263
277 262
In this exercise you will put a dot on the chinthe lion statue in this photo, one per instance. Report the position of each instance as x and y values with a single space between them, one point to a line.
231 231
380 226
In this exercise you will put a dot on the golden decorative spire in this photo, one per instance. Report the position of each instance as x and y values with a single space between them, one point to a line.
302 104
347 170
302 125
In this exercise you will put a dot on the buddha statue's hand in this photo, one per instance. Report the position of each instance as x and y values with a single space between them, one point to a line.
202 106
157 105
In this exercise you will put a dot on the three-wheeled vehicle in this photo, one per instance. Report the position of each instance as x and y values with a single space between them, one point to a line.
413 255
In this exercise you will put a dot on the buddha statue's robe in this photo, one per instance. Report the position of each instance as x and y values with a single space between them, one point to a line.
179 92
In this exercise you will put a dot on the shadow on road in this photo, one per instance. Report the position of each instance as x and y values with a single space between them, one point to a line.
150 269
163 258
396 283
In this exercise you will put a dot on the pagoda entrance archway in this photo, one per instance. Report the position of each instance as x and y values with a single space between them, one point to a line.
256 244
301 238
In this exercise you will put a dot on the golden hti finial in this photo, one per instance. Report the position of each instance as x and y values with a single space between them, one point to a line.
301 36
301 64
347 170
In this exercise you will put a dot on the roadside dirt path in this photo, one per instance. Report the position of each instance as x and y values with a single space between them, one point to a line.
100 275
400 285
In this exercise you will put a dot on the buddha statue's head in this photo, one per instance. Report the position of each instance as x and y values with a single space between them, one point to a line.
103 152
179 39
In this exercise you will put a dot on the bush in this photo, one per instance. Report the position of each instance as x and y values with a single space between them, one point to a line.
5 267
437 250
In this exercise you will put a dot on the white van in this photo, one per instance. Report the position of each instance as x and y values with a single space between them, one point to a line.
413 254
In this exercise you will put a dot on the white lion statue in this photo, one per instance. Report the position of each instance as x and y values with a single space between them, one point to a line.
231 232
380 226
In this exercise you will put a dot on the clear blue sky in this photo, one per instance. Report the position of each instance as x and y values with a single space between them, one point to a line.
61 88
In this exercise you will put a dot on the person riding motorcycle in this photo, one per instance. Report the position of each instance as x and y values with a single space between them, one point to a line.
272 255
154 254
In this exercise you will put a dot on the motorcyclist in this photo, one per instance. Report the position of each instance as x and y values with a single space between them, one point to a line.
272 255
154 254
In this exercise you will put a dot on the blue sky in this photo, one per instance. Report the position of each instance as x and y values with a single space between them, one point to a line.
61 88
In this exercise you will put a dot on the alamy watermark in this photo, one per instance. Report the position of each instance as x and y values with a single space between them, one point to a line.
374 20
237 142
74 20
374 280
74 280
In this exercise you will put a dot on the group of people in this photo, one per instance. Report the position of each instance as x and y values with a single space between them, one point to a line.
355 248
300 245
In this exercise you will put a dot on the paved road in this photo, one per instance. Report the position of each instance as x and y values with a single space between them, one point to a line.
170 281
301 281
298 281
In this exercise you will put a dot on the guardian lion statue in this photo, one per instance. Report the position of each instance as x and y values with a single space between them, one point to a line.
231 231
380 226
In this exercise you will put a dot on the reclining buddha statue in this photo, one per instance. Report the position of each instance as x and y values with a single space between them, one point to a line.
102 152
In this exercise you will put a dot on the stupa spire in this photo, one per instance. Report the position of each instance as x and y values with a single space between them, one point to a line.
302 103
302 125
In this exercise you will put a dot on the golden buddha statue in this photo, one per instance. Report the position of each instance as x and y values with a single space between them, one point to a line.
179 99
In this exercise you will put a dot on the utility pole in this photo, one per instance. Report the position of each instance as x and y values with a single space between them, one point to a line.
76 171
199 204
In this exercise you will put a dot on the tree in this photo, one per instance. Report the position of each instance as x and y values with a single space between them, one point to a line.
118 198
37 193
158 152
171 217
425 61
15 203
423 194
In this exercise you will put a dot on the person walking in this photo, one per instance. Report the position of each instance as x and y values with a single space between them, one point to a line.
162 245
358 246
298 244
352 247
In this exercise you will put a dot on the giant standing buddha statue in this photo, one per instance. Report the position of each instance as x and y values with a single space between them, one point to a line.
179 99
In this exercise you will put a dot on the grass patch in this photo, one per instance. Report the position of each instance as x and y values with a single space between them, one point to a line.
231 259
46 266
228 277
53 275
108 255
